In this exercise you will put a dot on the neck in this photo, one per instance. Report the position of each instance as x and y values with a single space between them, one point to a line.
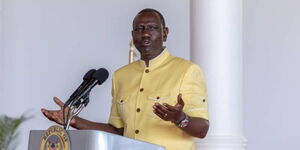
149 56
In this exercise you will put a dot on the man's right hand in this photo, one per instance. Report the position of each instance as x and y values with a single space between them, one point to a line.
77 122
57 115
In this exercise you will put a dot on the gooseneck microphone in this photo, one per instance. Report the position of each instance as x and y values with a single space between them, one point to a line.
86 78
80 97
98 77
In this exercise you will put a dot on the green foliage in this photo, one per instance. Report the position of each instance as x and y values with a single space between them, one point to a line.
8 130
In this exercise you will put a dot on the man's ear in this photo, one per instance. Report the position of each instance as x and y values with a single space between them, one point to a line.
165 33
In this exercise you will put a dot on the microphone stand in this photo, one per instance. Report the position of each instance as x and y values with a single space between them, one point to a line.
75 107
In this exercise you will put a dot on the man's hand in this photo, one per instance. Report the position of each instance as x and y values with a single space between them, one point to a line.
170 113
77 122
197 126
57 115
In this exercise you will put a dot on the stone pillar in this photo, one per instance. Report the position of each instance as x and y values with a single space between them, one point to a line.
216 45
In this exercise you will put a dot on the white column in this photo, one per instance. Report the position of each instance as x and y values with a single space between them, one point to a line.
216 45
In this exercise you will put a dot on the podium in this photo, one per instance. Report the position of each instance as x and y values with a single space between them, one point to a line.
94 140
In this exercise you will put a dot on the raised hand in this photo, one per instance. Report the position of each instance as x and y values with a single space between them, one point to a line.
170 113
57 115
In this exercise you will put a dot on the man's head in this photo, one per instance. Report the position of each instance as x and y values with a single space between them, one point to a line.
149 32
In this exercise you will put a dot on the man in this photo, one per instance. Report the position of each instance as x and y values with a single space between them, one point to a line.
160 99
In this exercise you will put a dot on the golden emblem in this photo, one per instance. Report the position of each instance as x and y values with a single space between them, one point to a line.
55 138
132 53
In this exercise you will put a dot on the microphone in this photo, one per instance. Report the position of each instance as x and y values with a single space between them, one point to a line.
86 78
97 78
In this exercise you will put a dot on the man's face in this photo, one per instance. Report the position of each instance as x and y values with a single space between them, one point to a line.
148 33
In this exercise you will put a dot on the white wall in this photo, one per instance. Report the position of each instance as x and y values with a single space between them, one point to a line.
50 44
1 47
271 74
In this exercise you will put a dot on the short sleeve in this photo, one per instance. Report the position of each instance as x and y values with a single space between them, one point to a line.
114 118
194 93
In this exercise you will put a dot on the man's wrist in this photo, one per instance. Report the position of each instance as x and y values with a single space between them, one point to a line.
182 117
183 122
73 122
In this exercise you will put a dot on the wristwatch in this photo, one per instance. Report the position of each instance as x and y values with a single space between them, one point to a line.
183 123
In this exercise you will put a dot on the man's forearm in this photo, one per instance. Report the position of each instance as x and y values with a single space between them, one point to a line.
83 124
197 127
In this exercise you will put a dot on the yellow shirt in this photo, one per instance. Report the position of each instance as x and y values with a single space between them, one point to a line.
136 88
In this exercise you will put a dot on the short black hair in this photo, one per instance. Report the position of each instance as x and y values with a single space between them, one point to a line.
155 11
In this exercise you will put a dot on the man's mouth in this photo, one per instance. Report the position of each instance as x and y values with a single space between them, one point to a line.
146 42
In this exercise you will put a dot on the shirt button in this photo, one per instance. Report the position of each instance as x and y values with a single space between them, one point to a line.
157 97
138 110
147 71
137 131
203 100
141 89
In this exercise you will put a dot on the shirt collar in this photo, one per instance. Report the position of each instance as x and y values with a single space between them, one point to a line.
157 60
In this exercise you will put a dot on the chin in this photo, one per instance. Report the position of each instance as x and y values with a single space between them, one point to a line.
145 50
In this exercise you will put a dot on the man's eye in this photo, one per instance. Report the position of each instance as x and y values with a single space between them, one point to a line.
152 28
138 29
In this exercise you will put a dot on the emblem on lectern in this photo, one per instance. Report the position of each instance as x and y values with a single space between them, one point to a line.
55 138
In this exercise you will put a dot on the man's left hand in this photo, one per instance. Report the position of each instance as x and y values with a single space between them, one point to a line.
170 113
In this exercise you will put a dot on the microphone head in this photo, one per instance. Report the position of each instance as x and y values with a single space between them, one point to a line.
89 74
101 75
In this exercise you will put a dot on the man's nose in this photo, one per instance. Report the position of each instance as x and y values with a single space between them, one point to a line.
146 32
